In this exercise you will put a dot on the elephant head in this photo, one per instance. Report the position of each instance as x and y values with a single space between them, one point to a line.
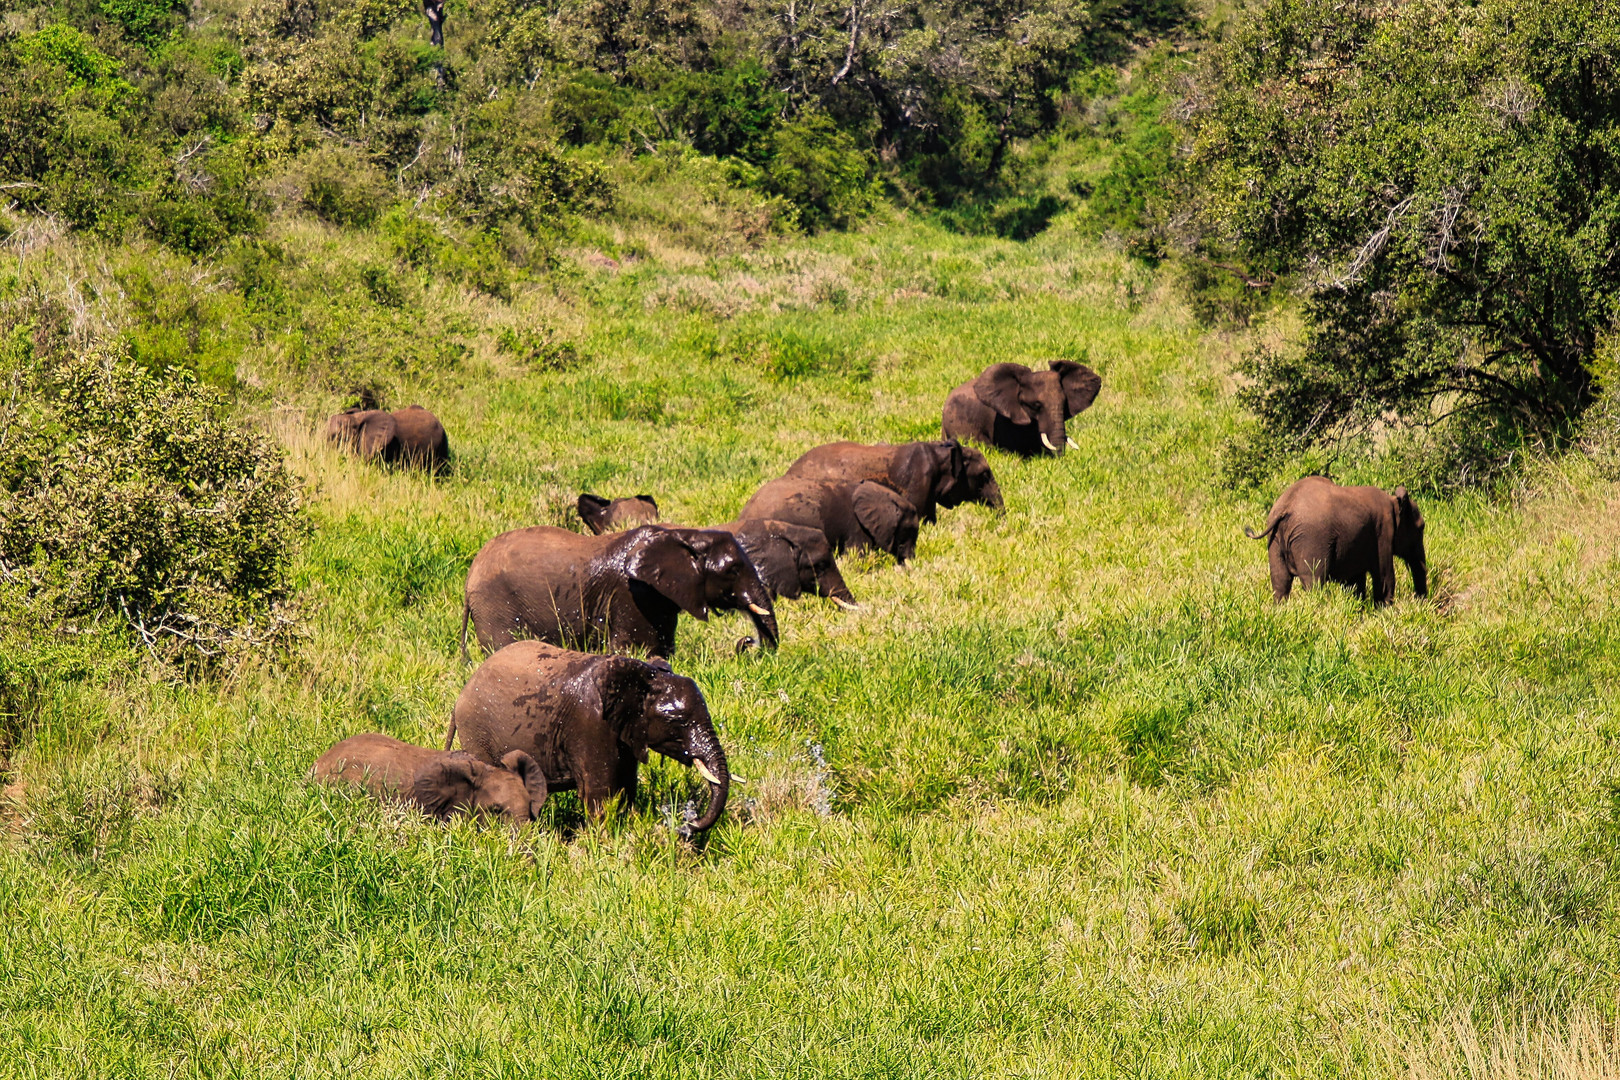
370 431
1408 540
971 480
673 719
1044 399
603 515
461 782
700 569
793 559
888 519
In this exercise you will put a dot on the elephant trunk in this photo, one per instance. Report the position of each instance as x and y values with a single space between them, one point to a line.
1420 575
710 762
990 495
830 583
757 599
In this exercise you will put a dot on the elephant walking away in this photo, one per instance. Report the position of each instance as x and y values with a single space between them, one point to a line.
610 515
437 782
927 474
622 591
1017 409
410 436
1318 531
588 720
863 515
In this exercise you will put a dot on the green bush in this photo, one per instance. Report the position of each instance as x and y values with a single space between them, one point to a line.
820 170
134 495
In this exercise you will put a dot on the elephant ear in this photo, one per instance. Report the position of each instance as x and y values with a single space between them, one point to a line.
1407 515
773 556
377 433
666 563
592 511
1080 385
880 512
1001 386
621 684
528 770
650 501
448 783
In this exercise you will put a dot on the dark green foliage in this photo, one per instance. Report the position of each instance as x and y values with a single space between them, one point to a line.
1439 179
133 495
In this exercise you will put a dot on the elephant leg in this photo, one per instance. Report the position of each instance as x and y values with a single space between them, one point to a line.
1282 578
625 778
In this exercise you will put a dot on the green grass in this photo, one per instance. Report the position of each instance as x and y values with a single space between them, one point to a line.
1069 797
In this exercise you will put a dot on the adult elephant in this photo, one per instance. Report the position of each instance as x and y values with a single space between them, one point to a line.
792 560
610 515
859 515
1015 408
1318 531
928 474
588 720
409 436
623 591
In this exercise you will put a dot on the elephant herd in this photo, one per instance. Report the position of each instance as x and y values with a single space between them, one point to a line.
563 700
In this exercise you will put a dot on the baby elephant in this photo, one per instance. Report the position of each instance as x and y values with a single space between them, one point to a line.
1319 531
438 782
603 515
410 436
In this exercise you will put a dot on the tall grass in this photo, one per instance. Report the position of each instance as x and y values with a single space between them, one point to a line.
1068 797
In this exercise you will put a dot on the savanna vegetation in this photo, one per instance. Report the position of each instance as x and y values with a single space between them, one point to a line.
1070 796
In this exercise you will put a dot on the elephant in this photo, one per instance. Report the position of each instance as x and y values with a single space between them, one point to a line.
433 10
588 719
850 515
623 591
1011 407
792 560
602 515
409 436
928 474
438 782
1319 531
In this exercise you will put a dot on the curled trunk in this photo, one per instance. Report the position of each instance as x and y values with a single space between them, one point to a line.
706 749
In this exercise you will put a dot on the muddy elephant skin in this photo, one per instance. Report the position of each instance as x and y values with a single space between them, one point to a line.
792 560
611 515
1318 531
437 782
943 473
589 720
1014 408
622 592
863 515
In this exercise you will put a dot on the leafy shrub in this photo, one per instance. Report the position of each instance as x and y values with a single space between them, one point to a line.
133 494
145 21
1438 178
341 185
819 169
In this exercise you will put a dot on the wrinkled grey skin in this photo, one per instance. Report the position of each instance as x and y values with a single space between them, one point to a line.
621 591
589 720
410 436
437 782
1318 531
611 515
928 475
1015 408
792 560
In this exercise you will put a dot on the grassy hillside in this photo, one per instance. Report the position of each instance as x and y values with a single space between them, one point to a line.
1068 797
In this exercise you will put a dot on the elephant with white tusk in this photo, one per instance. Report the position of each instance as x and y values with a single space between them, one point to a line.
1014 408
589 720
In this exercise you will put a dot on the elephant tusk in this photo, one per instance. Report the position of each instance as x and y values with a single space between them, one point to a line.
1072 444
704 771
1046 442
757 610
845 604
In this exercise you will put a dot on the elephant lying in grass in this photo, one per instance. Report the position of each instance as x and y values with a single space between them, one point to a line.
610 515
410 436
860 515
1319 531
1015 408
437 782
589 720
622 591
927 474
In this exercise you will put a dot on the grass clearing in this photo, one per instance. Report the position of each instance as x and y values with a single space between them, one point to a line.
1069 797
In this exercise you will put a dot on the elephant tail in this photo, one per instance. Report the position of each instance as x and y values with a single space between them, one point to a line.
450 735
1261 535
466 614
